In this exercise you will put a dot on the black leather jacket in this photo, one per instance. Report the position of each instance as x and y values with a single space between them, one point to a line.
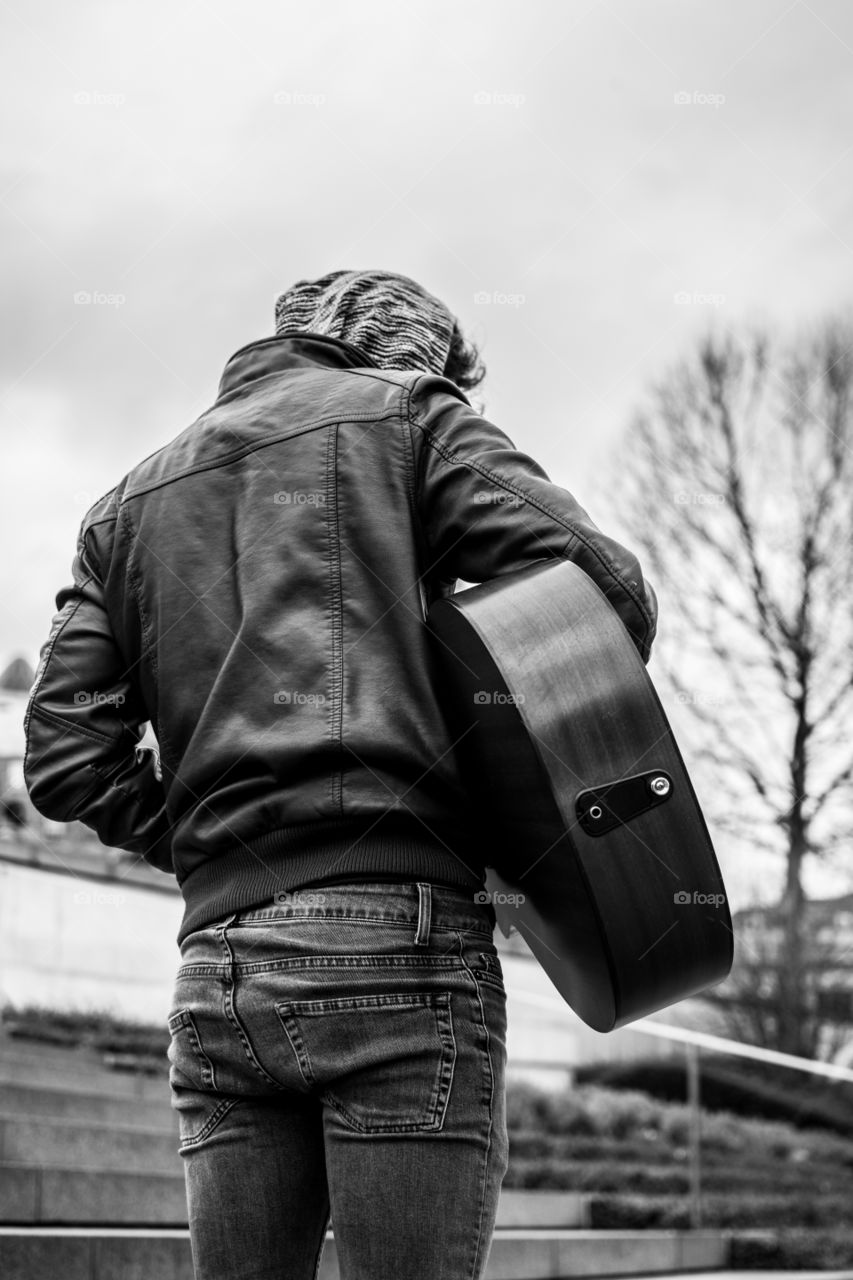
255 590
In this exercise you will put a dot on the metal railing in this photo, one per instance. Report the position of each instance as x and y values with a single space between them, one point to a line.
694 1042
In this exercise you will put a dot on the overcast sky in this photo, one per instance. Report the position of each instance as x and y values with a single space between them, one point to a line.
584 165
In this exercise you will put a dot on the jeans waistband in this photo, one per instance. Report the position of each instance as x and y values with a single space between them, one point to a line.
423 904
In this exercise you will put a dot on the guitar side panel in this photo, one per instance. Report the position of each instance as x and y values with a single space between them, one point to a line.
642 909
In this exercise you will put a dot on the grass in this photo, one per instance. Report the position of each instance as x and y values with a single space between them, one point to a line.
124 1043
784 1192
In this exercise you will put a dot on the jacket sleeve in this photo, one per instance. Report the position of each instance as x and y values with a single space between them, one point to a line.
487 509
82 727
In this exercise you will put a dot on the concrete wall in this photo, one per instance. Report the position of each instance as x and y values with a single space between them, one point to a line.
72 942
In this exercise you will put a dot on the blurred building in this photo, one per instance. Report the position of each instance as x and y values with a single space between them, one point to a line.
828 935
25 834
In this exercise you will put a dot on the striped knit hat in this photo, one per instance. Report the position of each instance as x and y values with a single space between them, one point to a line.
390 318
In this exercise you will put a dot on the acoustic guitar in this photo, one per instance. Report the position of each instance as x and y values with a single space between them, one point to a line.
601 856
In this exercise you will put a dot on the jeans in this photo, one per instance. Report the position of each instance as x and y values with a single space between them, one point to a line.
340 1052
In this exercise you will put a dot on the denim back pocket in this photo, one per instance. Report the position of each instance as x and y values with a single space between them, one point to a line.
383 1062
193 1082
186 1055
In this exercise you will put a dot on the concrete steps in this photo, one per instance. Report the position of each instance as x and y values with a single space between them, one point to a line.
39 1253
75 1070
61 1102
31 1140
92 1186
55 1195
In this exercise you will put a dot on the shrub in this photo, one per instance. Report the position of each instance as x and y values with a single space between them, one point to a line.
748 1088
792 1249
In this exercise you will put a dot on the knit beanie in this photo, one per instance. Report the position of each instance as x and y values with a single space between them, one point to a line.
389 317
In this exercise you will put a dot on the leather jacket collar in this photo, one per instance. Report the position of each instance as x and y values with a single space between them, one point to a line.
291 351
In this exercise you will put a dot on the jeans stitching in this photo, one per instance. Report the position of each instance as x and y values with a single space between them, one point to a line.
274 915
438 1001
182 1020
478 1239
218 1114
361 961
231 1011
448 1068
490 970
297 1044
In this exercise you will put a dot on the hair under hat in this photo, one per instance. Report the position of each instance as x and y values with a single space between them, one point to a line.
390 318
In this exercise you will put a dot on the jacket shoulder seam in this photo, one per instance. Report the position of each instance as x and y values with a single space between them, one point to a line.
509 485
574 534
245 450
377 376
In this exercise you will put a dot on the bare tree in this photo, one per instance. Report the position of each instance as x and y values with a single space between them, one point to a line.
738 496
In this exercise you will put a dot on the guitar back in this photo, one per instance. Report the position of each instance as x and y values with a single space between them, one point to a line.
589 809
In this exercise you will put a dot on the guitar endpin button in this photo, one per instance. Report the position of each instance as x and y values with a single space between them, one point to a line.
660 786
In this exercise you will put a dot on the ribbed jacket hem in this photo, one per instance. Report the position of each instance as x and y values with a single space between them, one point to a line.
283 860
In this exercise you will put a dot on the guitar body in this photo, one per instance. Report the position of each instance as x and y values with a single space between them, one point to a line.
601 856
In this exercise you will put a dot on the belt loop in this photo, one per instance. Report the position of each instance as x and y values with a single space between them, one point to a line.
424 914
